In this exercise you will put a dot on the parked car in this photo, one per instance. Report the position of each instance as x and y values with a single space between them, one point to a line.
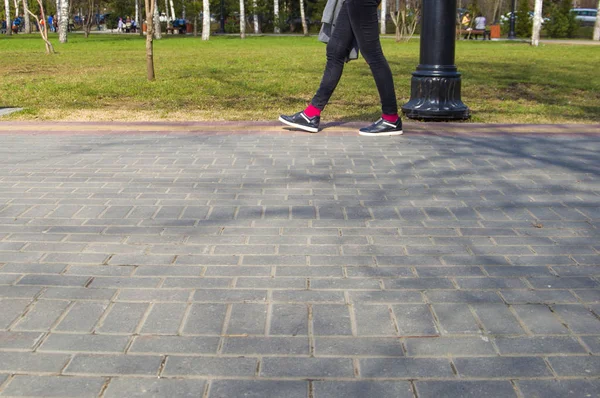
586 16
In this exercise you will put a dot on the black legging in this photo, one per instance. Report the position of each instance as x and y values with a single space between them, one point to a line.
357 18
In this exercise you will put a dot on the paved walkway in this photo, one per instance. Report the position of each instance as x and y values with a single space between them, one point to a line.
177 260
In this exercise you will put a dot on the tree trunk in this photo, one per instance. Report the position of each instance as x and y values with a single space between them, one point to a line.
57 15
242 20
172 10
256 24
137 11
383 16
63 22
205 19
303 18
26 16
8 20
156 31
276 16
167 11
151 12
537 23
43 27
597 25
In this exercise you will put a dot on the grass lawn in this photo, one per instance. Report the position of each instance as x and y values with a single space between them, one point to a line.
103 78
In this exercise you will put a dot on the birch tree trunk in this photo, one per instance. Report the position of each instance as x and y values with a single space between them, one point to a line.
256 24
8 20
303 17
156 20
63 22
57 15
172 10
151 13
43 27
137 11
275 15
242 20
597 25
383 16
205 19
167 11
537 23
26 16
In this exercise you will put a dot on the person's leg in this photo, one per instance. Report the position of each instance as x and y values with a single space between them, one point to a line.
338 49
365 25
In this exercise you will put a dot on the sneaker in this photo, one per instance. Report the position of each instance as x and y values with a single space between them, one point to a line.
301 121
382 128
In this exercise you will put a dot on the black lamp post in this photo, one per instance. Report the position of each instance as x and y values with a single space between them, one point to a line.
435 87
222 27
513 17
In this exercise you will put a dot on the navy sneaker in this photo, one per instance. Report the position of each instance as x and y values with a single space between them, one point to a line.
382 128
301 121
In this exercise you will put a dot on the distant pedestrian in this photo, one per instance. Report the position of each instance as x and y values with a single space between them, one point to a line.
51 23
356 28
120 25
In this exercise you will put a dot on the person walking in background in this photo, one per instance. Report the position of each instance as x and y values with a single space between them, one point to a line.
349 26
51 23
120 25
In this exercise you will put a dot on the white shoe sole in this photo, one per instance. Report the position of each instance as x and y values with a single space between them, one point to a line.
386 134
299 126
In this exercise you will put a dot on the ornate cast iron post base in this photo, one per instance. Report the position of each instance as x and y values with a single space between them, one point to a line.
435 86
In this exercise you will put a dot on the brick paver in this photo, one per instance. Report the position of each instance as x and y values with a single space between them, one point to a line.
280 264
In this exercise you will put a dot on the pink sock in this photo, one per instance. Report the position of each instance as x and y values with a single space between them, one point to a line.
390 118
311 111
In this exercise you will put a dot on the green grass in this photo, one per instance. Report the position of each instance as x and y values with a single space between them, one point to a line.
103 78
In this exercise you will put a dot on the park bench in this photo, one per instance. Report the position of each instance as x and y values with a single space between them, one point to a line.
474 33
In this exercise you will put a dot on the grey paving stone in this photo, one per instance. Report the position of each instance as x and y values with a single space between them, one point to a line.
82 317
559 388
289 319
142 387
205 319
405 368
588 366
352 346
414 320
384 389
593 342
247 319
54 386
164 318
92 343
462 296
18 340
175 344
258 389
539 319
77 293
508 367
306 367
229 296
42 316
539 345
331 320
11 310
538 296
308 296
209 366
497 319
54 280
114 365
14 362
443 346
456 319
266 345
123 318
578 318
466 389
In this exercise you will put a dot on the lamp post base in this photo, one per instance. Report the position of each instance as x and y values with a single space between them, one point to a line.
435 98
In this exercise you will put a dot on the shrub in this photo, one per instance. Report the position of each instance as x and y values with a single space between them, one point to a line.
523 24
562 21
